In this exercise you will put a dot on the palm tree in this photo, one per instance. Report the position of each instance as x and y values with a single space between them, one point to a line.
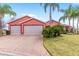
52 6
77 25
5 9
68 14
76 14
73 14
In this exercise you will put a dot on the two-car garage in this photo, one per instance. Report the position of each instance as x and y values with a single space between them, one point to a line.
26 27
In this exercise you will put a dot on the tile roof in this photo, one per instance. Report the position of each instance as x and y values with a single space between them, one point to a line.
23 20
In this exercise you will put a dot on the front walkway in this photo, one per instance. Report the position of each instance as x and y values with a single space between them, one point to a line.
22 45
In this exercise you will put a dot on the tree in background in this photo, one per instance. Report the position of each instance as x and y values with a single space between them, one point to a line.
5 9
67 14
52 7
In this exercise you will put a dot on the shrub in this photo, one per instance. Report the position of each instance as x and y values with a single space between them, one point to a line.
1 32
7 32
55 31
47 32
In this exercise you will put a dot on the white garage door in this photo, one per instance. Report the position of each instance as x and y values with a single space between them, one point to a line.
15 30
33 30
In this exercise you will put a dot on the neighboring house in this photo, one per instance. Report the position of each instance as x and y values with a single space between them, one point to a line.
67 27
27 26
52 23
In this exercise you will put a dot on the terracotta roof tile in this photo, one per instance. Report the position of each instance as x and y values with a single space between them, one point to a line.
20 20
52 23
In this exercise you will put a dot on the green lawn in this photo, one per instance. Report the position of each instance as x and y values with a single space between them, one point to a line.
67 45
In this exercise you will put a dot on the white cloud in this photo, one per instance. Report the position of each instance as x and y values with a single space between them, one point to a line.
32 15
19 16
23 14
6 15
11 16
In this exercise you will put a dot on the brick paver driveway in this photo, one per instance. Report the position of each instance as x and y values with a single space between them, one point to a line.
22 45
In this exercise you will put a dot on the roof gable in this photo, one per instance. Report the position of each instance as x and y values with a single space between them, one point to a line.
26 19
19 21
53 23
34 21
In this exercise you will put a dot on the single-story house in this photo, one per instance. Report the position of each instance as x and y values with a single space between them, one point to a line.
26 25
52 23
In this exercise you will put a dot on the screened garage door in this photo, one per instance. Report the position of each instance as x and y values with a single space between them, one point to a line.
33 30
15 30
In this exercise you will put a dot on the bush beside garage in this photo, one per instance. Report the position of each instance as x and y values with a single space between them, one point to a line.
4 32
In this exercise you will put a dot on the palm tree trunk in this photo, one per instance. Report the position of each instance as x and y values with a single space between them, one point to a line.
69 25
50 14
73 26
69 22
77 25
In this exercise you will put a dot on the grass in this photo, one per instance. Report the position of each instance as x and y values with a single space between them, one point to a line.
67 45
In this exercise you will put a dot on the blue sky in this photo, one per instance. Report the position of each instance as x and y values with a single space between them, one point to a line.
35 10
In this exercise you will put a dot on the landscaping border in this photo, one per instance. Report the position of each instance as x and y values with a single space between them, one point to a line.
47 49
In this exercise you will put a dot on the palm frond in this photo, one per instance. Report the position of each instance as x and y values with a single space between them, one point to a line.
63 18
6 6
70 6
55 6
6 9
62 10
12 13
41 4
45 7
